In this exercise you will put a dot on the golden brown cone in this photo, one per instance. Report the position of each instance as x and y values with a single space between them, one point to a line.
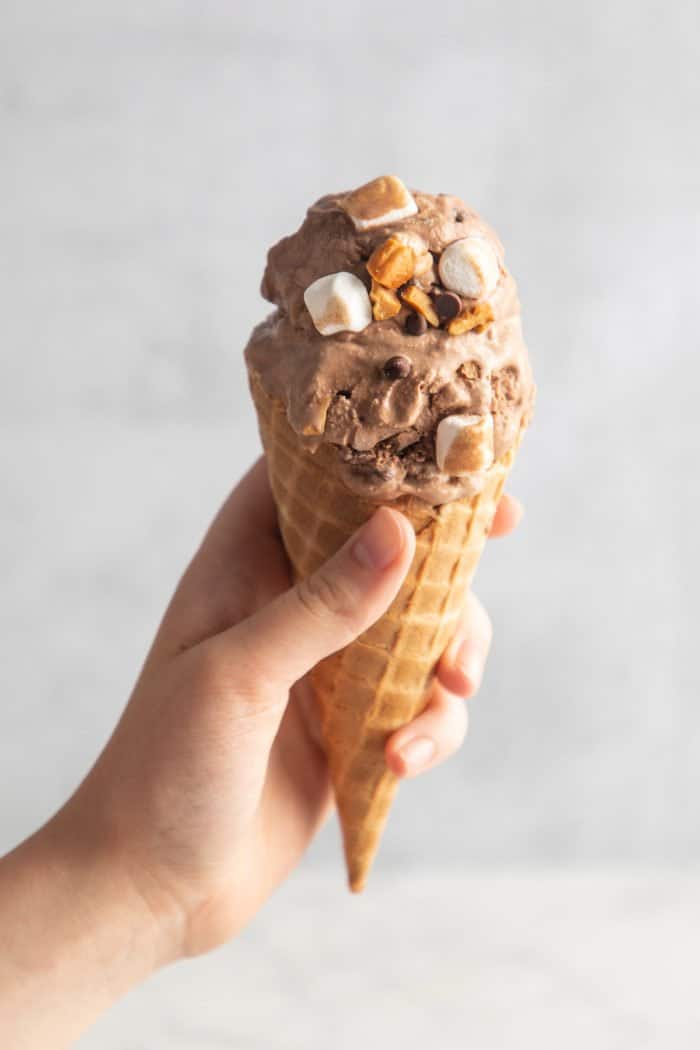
379 682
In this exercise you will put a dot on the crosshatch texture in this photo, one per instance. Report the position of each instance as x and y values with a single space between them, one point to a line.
377 683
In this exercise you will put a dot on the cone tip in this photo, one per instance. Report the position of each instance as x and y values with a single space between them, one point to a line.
357 882
358 871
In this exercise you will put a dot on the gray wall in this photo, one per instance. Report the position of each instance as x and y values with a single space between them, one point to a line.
150 153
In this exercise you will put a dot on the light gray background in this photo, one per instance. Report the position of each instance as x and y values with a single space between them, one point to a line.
149 154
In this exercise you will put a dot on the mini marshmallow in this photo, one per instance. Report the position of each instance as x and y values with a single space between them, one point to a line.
338 302
379 202
470 267
464 444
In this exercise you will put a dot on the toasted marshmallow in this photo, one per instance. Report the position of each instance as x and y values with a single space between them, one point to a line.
464 444
379 202
338 302
470 267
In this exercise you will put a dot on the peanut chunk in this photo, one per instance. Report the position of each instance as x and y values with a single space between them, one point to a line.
422 303
385 303
475 318
424 263
392 263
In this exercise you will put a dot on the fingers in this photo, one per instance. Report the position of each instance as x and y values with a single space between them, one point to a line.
431 737
249 510
329 609
239 566
508 513
440 729
461 666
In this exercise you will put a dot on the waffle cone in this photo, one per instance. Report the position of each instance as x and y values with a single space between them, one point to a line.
378 683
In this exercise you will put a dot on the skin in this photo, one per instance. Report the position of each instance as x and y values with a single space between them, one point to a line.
213 783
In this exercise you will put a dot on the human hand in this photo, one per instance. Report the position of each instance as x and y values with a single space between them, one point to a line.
214 782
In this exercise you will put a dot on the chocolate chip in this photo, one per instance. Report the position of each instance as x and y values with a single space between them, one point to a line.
447 304
397 367
416 324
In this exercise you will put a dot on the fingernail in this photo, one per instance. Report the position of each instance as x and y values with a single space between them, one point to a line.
417 753
470 661
518 508
379 542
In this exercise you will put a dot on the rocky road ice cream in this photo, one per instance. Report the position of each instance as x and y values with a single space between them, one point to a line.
396 340
392 368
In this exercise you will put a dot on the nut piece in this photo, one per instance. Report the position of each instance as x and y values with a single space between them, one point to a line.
338 302
424 263
424 271
464 444
385 303
475 318
392 263
379 202
421 301
470 267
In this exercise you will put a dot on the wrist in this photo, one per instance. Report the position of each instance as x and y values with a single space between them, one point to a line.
76 934
122 901
80 927
79 901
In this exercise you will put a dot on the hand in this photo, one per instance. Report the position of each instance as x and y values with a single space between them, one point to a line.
213 783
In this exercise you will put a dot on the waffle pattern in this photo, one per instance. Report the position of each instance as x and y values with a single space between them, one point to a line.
379 682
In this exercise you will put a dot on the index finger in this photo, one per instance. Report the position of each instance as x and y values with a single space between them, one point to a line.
248 509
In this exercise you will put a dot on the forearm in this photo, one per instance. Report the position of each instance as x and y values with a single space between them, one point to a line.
75 935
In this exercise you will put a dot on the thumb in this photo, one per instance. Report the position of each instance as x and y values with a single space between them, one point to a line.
330 608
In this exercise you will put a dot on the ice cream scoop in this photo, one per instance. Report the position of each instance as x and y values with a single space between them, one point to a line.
331 380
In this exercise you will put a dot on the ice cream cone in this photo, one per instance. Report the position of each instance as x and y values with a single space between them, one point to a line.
379 682
393 370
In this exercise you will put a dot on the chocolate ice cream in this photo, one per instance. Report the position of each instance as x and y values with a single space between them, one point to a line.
422 378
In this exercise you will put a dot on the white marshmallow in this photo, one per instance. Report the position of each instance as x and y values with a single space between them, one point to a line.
470 267
464 444
338 302
379 202
393 215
